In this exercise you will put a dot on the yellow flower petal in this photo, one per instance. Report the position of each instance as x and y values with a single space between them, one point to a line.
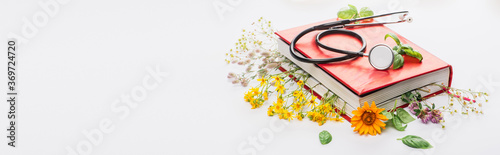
358 112
379 123
355 119
382 117
372 131
378 129
373 105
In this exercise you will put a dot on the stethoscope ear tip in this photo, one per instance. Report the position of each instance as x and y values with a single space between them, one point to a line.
404 17
409 20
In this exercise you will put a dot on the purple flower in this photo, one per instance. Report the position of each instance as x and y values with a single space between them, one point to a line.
436 116
425 115
413 106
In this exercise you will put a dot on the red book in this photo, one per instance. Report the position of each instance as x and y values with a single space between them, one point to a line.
357 78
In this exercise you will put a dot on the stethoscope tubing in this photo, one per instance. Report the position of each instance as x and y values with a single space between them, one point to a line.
335 28
349 54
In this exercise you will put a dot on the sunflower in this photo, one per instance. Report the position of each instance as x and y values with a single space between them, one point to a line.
367 120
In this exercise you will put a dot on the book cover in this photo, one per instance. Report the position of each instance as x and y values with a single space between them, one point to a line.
357 74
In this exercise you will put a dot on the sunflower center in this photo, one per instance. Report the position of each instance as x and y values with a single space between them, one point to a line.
368 118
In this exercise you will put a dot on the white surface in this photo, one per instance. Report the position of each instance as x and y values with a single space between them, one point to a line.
90 53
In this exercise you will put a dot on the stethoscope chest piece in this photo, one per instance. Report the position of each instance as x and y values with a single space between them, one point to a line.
381 57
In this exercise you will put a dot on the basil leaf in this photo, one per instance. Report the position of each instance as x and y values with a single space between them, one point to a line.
325 137
386 114
398 49
347 12
352 7
398 124
365 12
415 142
398 61
406 46
404 116
414 54
393 36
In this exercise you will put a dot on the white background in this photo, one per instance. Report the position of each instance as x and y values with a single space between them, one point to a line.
89 53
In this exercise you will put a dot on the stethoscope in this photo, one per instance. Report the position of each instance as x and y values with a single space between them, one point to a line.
380 56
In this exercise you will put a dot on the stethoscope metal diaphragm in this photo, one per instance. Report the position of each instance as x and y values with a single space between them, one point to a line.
381 57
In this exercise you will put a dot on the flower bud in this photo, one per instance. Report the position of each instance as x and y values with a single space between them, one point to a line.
251 54
262 72
265 60
244 83
231 75
249 68
272 65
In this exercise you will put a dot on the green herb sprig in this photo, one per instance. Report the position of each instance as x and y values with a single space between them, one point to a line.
400 50
398 117
351 12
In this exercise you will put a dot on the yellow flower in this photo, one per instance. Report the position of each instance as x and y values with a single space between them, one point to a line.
270 111
367 120
312 101
279 101
280 89
299 117
277 79
298 95
255 104
249 96
297 106
255 91
265 96
300 83
337 118
262 81
287 115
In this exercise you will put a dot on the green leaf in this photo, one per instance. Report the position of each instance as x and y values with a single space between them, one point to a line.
411 95
414 54
352 7
406 46
393 36
398 49
398 124
404 116
405 98
365 12
386 114
419 97
417 112
347 12
433 106
415 142
325 137
398 61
